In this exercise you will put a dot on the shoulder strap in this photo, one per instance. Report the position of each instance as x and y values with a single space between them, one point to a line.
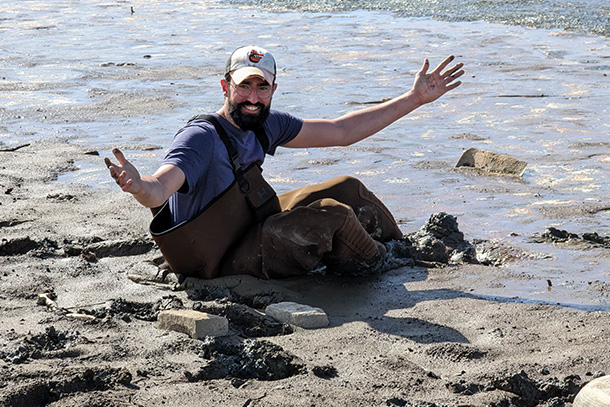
260 133
233 156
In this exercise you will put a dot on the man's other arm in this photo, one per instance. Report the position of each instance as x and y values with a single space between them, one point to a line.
355 126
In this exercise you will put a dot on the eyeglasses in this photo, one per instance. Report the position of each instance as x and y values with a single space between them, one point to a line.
244 90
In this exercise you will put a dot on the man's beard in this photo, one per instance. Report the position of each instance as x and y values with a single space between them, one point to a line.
248 121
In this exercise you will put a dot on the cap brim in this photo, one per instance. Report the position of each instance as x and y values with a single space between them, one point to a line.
241 74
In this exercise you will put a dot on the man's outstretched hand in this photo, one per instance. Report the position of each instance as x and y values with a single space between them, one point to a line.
430 86
124 173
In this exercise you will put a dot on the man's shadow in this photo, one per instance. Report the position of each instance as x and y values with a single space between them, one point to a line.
382 301
347 299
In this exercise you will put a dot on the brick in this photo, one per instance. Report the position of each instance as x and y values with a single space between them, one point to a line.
196 324
298 314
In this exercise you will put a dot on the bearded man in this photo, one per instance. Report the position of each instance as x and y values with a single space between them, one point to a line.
215 214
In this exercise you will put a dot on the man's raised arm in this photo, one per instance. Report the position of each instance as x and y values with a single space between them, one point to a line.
363 123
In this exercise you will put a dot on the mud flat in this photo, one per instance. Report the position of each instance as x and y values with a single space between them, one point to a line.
81 287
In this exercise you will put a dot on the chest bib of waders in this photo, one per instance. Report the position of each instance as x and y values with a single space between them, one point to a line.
196 247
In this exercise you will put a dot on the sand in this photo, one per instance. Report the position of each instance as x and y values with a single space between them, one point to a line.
412 336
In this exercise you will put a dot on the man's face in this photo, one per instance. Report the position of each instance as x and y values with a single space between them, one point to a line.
249 111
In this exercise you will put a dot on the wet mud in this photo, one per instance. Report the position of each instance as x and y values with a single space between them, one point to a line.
233 357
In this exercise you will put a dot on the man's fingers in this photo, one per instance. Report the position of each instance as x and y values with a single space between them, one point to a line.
119 156
444 64
425 66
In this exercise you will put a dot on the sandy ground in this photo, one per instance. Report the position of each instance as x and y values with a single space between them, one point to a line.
413 336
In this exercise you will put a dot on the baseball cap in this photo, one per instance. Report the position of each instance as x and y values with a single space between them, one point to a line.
251 61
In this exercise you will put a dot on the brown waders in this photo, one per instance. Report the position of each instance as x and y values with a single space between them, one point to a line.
250 230
336 223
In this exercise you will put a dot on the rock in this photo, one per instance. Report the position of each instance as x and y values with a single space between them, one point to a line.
595 394
298 314
194 323
491 162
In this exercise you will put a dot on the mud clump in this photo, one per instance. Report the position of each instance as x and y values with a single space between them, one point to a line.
554 235
125 310
43 392
523 391
232 357
456 352
116 248
50 343
439 240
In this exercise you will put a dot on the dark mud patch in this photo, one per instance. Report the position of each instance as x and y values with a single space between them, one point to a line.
43 391
455 352
91 249
125 310
587 239
113 248
18 246
258 300
325 372
245 320
48 344
522 391
232 357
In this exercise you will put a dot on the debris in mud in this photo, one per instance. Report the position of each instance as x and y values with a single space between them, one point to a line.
554 235
246 320
523 391
493 253
144 311
232 357
45 391
325 372
41 345
455 352
110 248
15 247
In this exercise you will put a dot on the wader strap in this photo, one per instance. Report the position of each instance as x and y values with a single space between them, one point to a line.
196 247
244 185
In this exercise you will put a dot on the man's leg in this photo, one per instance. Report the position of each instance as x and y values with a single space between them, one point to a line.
325 232
297 241
374 216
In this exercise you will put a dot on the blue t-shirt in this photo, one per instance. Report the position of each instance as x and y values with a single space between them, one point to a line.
200 153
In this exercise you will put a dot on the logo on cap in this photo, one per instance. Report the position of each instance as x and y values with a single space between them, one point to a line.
254 56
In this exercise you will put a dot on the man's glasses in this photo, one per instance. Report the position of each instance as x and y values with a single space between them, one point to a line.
244 90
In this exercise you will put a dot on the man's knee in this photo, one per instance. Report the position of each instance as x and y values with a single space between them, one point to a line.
346 182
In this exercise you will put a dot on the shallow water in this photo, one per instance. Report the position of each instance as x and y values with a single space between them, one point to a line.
100 75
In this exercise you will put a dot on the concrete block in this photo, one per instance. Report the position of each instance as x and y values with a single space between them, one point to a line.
196 324
298 314
491 162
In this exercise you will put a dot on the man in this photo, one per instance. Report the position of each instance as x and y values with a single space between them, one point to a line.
215 214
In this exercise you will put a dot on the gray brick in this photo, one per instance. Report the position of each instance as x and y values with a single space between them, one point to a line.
298 314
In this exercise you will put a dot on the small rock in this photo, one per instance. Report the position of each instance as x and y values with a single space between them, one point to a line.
298 314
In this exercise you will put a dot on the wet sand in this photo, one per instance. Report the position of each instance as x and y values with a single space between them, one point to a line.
409 336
